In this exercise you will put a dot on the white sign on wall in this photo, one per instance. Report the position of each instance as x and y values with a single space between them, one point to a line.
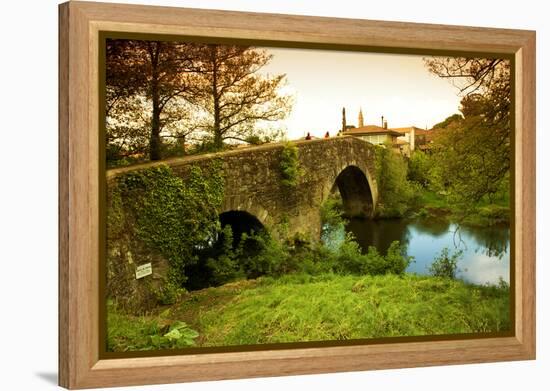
144 270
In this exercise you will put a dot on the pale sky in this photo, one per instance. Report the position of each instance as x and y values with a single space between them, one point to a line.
397 86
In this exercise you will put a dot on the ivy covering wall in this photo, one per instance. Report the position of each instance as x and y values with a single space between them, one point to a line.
290 165
155 216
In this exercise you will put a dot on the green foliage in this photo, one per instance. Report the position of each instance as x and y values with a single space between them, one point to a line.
419 167
484 213
396 194
350 260
172 148
471 157
131 333
290 165
448 121
168 215
488 215
346 258
207 145
225 267
178 336
445 265
255 254
114 160
332 221
396 260
313 259
168 293
260 254
332 212
254 139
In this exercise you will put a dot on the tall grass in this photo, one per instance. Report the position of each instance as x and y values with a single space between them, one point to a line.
302 307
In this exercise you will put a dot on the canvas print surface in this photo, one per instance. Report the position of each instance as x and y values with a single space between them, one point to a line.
265 195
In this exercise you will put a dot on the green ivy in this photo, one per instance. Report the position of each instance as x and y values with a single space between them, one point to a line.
169 215
290 165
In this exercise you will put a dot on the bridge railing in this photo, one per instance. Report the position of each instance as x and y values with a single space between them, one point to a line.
184 160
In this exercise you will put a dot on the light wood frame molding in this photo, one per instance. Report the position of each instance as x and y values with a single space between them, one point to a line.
79 25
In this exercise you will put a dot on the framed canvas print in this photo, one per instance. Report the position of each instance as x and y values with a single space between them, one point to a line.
247 195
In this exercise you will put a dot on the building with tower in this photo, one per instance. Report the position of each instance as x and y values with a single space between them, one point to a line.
403 140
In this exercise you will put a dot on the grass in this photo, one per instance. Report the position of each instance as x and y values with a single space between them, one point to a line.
432 204
486 212
316 308
127 333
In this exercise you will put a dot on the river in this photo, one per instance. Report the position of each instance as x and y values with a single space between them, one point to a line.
486 250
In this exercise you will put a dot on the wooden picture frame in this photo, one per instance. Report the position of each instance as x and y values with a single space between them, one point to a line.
80 24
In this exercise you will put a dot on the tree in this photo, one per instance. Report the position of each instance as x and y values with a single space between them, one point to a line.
234 95
396 195
472 152
127 134
469 162
419 166
181 123
154 70
447 121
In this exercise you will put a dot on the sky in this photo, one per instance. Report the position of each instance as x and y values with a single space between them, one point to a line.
396 86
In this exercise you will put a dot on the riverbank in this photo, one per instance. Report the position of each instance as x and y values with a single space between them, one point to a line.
484 214
301 307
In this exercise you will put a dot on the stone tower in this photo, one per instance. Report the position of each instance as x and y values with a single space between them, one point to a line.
360 120
344 119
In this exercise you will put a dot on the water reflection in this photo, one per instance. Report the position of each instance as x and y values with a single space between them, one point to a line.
379 233
492 241
486 250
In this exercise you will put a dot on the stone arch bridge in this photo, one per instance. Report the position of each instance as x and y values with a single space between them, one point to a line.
255 197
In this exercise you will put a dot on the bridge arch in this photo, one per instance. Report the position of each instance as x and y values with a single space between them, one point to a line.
355 188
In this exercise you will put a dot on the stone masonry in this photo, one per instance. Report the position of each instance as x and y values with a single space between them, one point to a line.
253 180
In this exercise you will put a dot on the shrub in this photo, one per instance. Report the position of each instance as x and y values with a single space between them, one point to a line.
225 267
332 212
445 265
350 260
180 335
254 139
168 293
259 254
311 258
332 221
396 260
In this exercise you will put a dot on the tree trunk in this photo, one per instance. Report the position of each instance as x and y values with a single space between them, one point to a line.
218 141
182 144
155 142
